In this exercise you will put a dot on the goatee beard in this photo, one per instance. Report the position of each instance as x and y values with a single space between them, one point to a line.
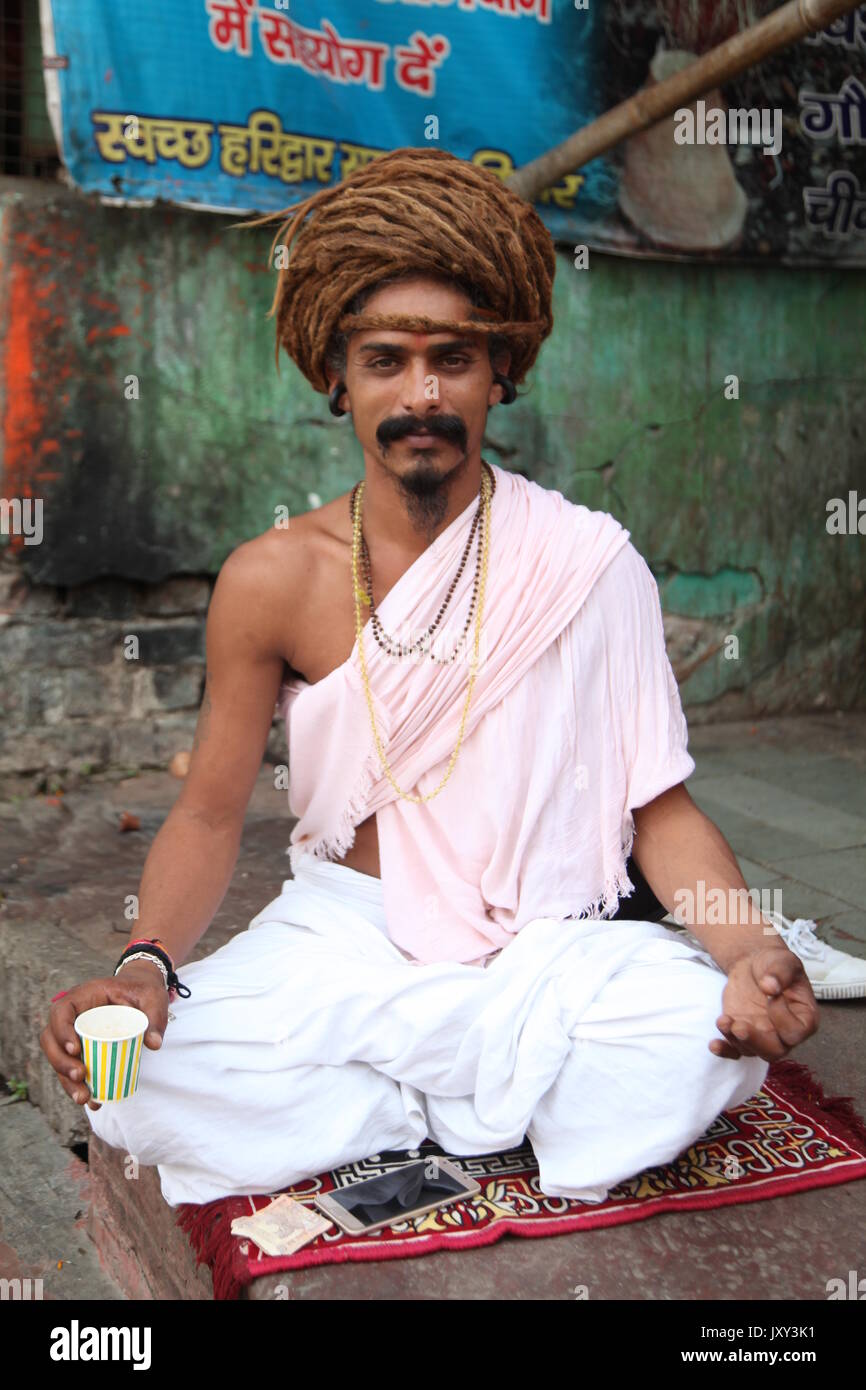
426 492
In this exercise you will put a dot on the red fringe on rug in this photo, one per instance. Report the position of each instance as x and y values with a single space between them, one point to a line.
208 1226
209 1230
801 1085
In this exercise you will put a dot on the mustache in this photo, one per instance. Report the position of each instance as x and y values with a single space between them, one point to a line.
448 427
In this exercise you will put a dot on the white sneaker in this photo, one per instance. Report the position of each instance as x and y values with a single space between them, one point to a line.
832 974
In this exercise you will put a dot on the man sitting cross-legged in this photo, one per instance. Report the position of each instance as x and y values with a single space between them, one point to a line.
483 725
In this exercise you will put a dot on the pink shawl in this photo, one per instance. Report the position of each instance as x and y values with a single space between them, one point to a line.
534 819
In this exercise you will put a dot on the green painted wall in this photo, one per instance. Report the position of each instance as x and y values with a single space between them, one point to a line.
625 410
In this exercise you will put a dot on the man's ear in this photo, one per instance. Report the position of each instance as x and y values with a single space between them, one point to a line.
333 378
501 363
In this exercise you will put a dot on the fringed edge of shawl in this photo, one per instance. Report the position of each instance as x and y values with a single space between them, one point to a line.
337 844
616 886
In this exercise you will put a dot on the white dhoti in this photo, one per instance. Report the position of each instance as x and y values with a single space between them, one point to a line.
310 1040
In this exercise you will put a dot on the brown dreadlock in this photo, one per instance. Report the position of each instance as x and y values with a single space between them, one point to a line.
412 210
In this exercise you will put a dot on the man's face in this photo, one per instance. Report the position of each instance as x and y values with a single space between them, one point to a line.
419 401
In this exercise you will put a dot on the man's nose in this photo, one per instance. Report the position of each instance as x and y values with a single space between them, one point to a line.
420 387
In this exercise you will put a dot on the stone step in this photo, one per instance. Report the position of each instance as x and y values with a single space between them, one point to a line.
135 1231
45 1196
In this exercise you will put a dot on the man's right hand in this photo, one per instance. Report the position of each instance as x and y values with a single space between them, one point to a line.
138 984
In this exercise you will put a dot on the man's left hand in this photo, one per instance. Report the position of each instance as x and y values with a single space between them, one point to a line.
768 1006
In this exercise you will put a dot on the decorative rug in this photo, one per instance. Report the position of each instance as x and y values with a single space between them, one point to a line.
788 1137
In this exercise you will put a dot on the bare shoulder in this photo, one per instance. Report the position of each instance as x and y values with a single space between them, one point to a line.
263 578
288 553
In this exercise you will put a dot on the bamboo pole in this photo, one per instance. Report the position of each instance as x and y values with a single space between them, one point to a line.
779 29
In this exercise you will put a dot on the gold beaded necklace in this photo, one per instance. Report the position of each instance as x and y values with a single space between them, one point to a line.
362 597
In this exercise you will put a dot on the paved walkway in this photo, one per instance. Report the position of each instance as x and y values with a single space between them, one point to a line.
789 795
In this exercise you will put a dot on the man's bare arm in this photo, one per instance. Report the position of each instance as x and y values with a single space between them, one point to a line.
189 866
675 847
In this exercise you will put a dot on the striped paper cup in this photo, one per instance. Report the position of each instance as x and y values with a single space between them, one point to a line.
111 1041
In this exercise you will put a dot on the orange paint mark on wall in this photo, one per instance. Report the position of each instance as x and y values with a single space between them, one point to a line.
120 330
23 420
29 246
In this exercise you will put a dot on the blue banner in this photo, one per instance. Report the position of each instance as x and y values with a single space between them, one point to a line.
251 105
254 104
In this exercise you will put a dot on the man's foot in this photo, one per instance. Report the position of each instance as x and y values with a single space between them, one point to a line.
832 974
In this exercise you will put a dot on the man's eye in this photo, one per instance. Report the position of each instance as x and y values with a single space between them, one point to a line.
453 359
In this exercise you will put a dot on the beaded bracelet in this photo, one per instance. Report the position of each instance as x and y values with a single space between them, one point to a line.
161 958
145 955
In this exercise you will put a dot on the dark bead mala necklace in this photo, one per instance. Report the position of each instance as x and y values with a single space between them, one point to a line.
398 648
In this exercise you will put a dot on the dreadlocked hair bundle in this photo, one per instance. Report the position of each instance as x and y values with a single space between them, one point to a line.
413 210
